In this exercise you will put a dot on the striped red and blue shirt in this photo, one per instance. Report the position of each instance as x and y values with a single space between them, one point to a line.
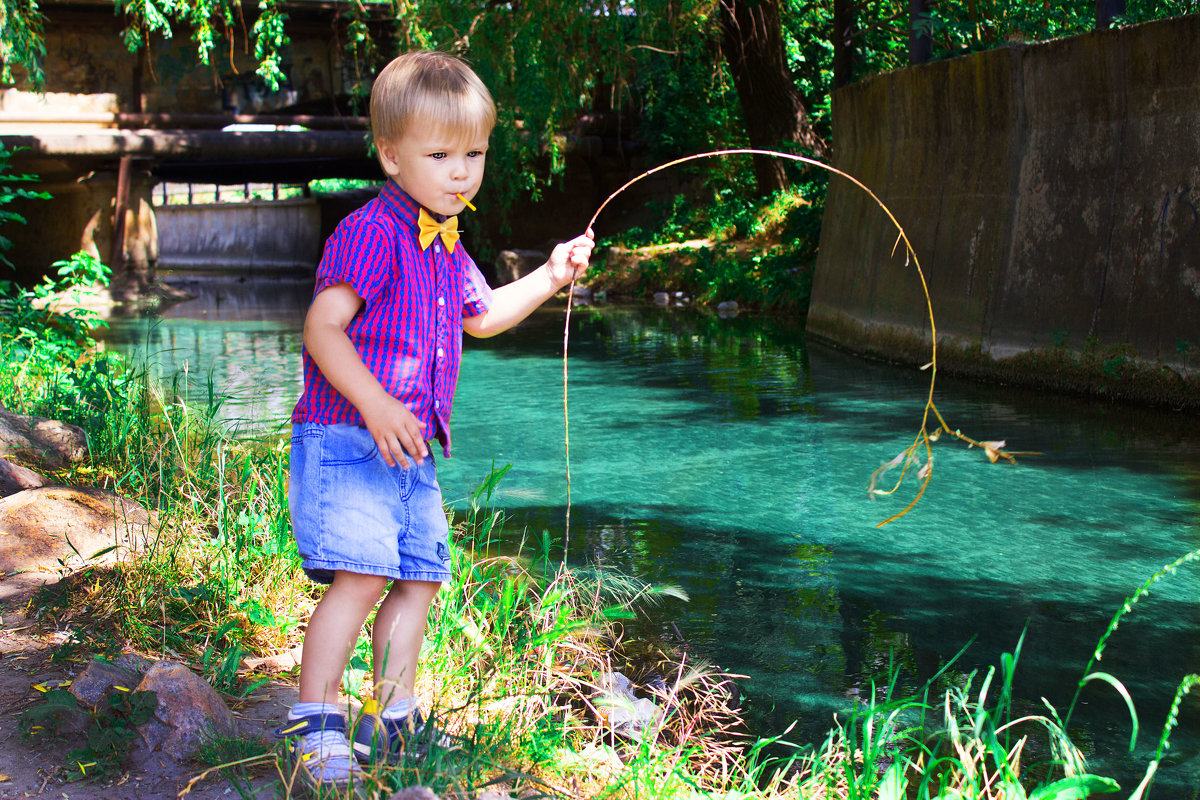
408 332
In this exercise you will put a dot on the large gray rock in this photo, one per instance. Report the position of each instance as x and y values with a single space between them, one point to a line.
59 529
514 264
39 441
188 708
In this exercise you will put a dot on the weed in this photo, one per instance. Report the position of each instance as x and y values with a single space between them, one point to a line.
110 728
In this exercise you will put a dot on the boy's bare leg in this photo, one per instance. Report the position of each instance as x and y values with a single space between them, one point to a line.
396 638
332 631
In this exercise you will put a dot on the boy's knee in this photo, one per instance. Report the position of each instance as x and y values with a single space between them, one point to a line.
363 586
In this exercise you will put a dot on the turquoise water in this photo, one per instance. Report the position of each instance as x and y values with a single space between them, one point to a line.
731 459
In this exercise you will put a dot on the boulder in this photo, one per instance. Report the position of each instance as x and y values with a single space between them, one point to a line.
188 708
41 442
14 478
58 529
514 264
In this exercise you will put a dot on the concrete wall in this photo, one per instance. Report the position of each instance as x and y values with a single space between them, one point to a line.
258 236
1051 193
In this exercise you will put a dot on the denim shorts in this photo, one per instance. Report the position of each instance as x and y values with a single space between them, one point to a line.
352 512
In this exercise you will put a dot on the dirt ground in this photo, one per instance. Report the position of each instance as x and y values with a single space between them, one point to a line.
36 768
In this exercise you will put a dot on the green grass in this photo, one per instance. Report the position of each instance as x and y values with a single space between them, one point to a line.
757 251
518 646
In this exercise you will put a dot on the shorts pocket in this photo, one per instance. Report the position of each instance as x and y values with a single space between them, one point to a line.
347 445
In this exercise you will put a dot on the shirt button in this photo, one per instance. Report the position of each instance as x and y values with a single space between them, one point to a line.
437 403
441 352
437 248
441 301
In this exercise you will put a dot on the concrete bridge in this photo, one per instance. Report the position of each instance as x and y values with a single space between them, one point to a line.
109 125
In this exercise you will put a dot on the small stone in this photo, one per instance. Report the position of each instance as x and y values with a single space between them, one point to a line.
270 664
415 793
187 708
662 298
14 478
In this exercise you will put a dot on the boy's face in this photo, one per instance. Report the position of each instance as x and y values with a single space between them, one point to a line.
435 166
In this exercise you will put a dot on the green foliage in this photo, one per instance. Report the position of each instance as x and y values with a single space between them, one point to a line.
21 45
12 187
758 252
110 728
49 356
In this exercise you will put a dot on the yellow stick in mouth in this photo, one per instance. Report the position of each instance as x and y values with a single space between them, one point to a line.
465 200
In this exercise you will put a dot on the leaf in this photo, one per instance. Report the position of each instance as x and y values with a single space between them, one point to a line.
1075 788
991 449
894 785
1121 690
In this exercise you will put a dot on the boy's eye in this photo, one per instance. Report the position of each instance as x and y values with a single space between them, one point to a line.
475 153
437 156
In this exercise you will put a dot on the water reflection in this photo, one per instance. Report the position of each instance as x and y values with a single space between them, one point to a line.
729 458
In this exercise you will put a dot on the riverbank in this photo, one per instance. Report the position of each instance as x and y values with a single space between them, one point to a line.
519 648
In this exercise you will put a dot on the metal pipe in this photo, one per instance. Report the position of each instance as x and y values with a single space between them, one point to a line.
160 121
117 259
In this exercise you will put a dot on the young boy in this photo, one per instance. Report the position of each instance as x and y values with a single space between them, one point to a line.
382 342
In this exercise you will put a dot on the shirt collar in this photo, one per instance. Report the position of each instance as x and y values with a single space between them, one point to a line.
403 206
400 204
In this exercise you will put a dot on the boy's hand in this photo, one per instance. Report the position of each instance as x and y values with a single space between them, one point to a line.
570 259
396 430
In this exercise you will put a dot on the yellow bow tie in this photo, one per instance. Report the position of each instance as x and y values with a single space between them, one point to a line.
429 228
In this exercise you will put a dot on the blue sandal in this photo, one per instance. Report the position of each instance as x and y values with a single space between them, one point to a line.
319 749
378 739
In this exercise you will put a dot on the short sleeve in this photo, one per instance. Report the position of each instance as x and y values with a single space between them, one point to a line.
361 252
477 295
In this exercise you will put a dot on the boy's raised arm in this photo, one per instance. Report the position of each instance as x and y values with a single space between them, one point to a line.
395 429
515 301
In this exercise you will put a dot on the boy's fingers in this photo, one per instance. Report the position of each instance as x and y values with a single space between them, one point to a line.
385 450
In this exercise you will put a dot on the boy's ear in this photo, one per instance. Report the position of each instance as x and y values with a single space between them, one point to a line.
387 156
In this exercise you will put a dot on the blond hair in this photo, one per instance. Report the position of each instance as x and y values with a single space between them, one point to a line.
426 87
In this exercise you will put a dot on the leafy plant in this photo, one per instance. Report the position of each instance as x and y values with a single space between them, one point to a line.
110 731
12 187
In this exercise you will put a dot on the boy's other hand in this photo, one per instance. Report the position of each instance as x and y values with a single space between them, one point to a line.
396 431
570 259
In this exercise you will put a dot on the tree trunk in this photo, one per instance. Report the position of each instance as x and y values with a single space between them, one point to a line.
843 42
920 46
752 43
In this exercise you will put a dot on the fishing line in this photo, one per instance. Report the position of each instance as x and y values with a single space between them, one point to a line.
924 439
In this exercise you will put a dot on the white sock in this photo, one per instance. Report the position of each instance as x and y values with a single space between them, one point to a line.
400 709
